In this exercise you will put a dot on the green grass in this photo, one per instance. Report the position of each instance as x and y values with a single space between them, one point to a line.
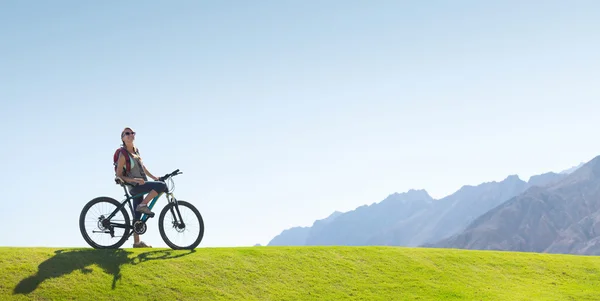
295 273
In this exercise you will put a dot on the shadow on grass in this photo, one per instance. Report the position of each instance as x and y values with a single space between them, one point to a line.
66 261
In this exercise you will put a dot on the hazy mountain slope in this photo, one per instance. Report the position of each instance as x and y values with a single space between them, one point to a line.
297 236
358 226
559 218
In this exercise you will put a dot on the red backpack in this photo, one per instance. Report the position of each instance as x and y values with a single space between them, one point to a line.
127 167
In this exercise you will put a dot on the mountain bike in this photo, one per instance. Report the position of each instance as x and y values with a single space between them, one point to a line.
111 225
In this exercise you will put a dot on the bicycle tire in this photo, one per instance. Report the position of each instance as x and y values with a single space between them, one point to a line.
161 228
88 239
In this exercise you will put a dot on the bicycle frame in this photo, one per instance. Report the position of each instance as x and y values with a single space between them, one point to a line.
128 200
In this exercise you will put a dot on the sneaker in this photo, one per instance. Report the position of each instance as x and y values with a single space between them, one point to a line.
141 244
143 208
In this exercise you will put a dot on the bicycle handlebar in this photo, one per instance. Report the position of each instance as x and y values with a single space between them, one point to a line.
176 172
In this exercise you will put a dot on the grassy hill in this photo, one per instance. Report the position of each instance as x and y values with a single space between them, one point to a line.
295 273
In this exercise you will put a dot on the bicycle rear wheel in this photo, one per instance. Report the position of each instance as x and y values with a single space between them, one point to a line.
96 230
181 226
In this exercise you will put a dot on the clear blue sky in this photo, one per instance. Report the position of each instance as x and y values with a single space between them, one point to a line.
281 112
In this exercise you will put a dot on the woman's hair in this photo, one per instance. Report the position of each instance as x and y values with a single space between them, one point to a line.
135 150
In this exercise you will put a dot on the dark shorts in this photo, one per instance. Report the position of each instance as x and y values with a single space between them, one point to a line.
145 188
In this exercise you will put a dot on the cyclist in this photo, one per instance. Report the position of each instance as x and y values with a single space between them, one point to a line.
137 178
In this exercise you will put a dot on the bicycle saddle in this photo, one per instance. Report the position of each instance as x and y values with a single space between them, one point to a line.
120 181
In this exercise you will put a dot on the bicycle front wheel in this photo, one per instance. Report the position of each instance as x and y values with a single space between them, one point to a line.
181 225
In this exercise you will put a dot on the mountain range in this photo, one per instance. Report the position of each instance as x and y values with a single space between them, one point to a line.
414 218
563 217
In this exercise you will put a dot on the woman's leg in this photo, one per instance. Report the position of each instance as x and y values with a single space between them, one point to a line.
137 216
153 188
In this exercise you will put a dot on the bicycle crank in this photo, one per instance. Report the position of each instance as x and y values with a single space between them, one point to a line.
140 227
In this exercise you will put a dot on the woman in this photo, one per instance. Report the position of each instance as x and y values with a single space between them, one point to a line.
137 177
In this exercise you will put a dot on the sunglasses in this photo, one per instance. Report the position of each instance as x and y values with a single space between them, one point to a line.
129 133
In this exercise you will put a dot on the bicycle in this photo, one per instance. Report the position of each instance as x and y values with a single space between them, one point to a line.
107 220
